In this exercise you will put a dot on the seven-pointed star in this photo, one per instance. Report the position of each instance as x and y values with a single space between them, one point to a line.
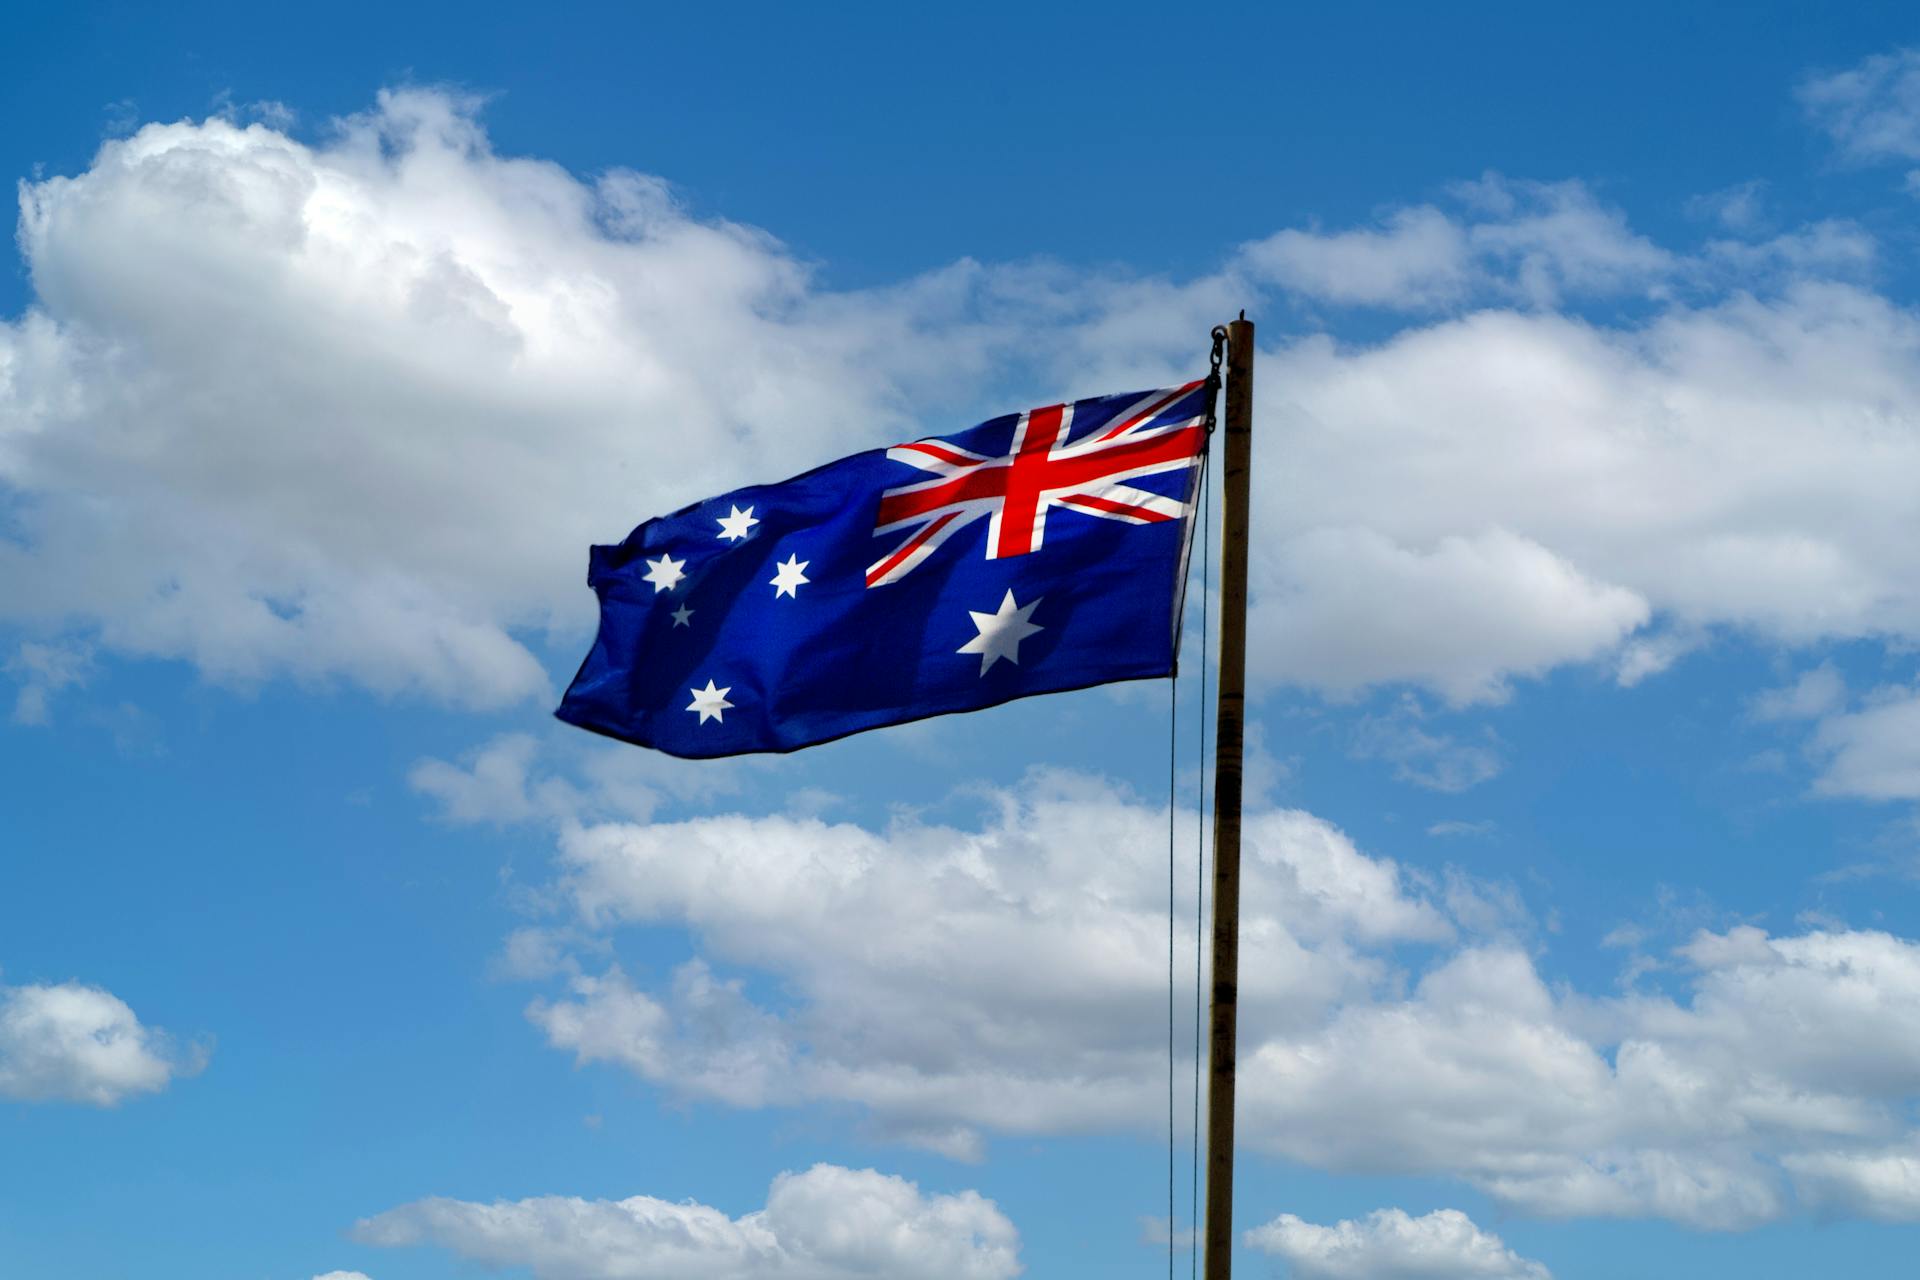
787 581
1001 633
734 525
681 616
664 573
710 702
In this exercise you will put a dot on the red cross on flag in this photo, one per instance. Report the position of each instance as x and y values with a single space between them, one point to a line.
1046 467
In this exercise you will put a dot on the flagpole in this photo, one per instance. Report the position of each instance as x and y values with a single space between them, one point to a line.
1231 726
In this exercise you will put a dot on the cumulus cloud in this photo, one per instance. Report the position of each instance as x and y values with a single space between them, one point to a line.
1812 695
1389 1244
1872 109
1531 242
1417 257
1832 247
1882 1185
1872 752
43 670
493 786
995 980
358 409
1341 608
827 1223
505 781
1739 208
1436 761
1787 535
75 1043
353 410
1790 1050
954 980
1650 653
1866 747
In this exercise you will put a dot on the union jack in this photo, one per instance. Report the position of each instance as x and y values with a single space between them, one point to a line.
1045 468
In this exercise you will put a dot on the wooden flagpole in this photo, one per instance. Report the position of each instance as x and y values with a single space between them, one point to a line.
1231 724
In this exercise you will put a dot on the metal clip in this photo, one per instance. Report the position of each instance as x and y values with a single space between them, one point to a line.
1213 372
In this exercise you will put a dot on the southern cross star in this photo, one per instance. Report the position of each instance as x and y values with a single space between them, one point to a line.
665 572
710 702
734 525
787 582
681 616
1001 633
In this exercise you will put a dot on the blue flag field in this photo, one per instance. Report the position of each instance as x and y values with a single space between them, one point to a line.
1034 553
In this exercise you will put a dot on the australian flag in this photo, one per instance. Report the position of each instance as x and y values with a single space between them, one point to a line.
1034 553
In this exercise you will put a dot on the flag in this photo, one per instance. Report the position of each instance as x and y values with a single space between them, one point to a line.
1034 553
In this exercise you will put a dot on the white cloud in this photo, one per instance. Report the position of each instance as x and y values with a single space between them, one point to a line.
1531 242
996 978
1739 208
827 1223
1420 257
493 787
1389 1244
1872 109
531 953
997 981
1832 247
1557 240
1878 1184
43 670
1814 694
1341 608
359 409
1499 494
1461 827
343 1275
1648 655
1436 761
355 410
1832 1011
1865 747
1872 752
1546 245
1158 1231
502 781
75 1043
1564 1105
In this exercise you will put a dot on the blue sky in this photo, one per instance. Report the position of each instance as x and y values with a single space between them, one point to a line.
1582 937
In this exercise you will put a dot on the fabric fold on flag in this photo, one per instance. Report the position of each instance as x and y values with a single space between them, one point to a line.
1035 553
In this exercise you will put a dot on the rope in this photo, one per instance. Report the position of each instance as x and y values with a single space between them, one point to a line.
1219 337
1173 726
1199 860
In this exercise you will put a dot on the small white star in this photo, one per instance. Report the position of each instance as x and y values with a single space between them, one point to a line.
1001 633
710 702
664 573
681 616
735 524
787 582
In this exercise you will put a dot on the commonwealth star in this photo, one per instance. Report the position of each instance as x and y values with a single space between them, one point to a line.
1001 632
